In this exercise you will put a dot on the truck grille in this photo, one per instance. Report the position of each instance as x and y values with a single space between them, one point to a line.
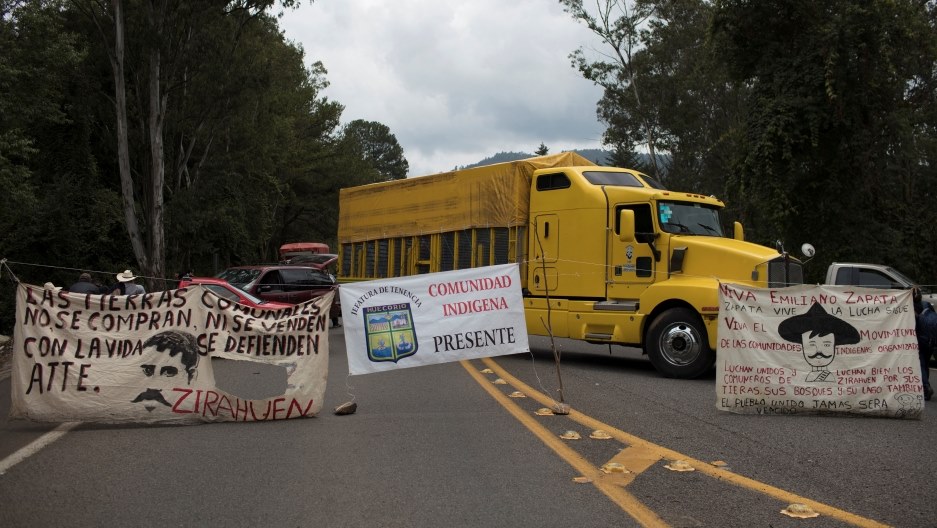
776 273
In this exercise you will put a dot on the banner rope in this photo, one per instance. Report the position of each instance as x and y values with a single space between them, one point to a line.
3 265
5 262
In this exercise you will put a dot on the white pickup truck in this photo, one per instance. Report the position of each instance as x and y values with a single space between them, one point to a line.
873 276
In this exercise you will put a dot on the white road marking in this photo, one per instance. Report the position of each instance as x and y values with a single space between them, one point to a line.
36 446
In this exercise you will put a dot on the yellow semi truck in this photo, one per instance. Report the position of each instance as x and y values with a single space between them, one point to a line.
606 255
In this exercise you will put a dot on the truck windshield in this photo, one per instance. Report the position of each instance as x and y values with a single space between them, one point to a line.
687 218
901 276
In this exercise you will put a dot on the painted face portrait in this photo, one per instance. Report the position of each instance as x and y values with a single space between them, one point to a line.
818 333
171 360
819 350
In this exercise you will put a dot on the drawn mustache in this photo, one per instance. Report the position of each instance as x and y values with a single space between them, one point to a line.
819 354
151 394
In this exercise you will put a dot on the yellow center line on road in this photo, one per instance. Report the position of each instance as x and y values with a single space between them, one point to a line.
645 451
636 460
626 501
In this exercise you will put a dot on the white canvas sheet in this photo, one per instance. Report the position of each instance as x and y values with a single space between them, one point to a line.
147 358
433 318
817 349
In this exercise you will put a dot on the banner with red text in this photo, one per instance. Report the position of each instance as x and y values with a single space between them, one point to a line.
817 349
433 318
147 358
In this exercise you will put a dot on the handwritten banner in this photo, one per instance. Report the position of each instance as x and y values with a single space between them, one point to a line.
817 349
147 358
433 318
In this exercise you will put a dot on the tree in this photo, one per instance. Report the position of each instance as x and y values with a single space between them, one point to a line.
159 61
806 116
617 25
252 154
542 150
699 109
56 208
29 89
378 148
663 89
269 173
840 129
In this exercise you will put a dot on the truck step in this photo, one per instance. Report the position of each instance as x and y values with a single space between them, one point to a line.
590 337
617 306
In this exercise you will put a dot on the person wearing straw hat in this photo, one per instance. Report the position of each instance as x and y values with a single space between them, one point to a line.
126 286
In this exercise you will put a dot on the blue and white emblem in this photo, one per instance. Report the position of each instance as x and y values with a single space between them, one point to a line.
389 331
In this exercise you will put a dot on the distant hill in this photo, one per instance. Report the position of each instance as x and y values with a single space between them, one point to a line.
597 156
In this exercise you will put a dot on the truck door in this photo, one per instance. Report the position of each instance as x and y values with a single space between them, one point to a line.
544 246
631 265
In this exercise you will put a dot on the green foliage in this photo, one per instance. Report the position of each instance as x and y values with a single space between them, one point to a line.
378 147
839 105
254 154
622 157
55 209
816 120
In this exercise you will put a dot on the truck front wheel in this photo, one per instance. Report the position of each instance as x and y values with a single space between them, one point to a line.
677 344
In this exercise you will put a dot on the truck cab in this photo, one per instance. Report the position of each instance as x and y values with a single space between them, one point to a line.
616 258
867 275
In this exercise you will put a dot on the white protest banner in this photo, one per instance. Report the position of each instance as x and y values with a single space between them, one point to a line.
817 349
147 358
433 318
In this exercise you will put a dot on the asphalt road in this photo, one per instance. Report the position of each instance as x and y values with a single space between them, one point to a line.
446 445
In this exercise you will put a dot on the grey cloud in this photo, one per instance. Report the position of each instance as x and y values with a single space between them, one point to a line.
453 81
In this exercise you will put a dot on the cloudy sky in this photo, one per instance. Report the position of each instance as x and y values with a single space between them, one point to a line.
456 82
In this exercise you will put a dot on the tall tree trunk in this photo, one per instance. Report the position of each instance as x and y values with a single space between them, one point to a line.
157 250
123 149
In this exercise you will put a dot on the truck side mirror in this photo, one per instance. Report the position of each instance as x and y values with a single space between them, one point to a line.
738 232
626 225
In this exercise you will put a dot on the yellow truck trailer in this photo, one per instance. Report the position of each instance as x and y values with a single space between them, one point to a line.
606 255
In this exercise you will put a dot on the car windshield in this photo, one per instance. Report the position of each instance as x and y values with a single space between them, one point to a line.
221 291
688 218
239 276
230 295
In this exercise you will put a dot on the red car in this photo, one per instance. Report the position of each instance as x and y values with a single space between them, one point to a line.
286 284
223 289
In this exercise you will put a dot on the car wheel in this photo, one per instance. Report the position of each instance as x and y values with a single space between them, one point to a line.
678 346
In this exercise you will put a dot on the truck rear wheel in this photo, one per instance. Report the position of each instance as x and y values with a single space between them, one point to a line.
677 344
